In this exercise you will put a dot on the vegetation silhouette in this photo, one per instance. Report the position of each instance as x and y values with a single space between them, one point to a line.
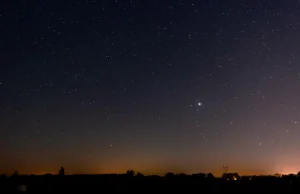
136 182
61 171
210 176
130 173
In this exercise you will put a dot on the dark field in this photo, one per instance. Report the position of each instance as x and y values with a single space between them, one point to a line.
148 184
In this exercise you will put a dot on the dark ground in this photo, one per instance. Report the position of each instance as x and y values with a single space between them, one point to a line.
147 184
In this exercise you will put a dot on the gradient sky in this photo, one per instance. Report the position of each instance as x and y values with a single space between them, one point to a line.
154 86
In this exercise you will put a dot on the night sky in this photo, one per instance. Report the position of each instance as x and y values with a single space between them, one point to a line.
154 86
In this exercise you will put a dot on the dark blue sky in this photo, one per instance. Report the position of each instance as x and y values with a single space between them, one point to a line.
104 86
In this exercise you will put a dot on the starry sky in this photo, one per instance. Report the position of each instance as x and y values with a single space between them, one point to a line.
155 86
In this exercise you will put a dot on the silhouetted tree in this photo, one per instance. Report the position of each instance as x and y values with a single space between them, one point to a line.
138 174
3 176
16 173
231 176
277 175
199 175
298 175
61 171
210 176
237 176
182 175
130 173
289 177
170 175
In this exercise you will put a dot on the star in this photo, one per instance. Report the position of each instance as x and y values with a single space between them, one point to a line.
199 104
